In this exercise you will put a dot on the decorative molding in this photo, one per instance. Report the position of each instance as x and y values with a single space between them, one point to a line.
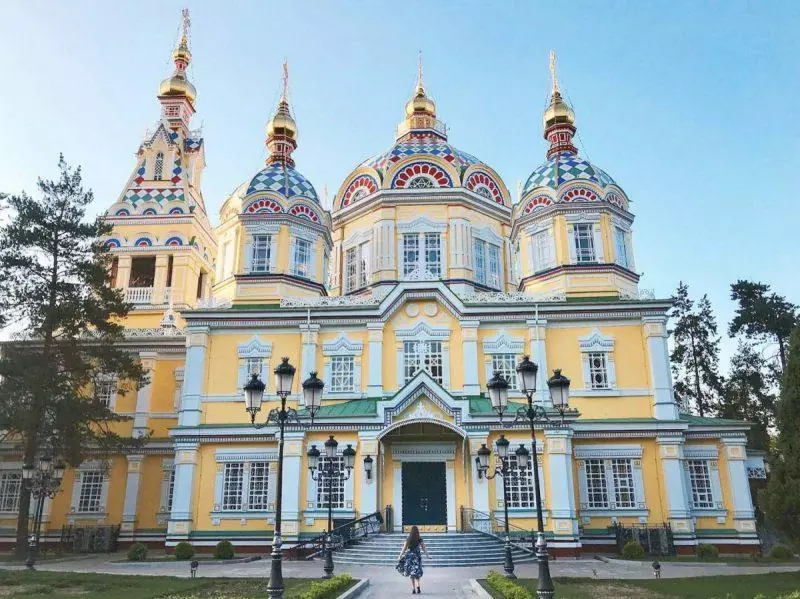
342 346
515 297
422 331
423 452
503 343
584 452
255 349
421 224
596 342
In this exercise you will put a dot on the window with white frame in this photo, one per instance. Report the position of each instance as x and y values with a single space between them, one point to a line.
521 492
422 252
410 252
487 263
624 488
515 262
10 487
105 390
506 364
423 355
598 370
90 495
337 484
342 374
621 247
542 248
170 489
357 266
479 260
253 366
700 480
301 264
262 249
232 486
257 498
433 254
583 238
158 168
596 484
611 484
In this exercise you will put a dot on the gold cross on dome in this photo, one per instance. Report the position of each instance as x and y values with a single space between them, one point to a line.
187 22
553 77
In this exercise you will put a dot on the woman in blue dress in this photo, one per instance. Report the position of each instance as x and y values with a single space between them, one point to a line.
409 562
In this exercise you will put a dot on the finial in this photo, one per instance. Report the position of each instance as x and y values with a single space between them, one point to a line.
187 22
553 77
420 81
519 190
285 90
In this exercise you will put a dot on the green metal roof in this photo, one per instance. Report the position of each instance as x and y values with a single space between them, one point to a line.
704 421
480 405
347 409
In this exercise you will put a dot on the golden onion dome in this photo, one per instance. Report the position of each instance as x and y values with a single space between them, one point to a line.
558 112
420 103
178 85
282 123
182 51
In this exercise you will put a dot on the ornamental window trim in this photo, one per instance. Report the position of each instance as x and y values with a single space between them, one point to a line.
519 487
10 488
247 353
703 482
303 252
244 482
487 260
315 498
611 479
598 362
333 353
423 333
93 472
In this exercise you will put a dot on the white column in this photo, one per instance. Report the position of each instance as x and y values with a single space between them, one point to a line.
143 395
180 518
368 491
383 239
375 357
450 481
193 376
469 340
537 331
292 453
655 331
670 451
743 513
308 357
397 488
480 486
160 279
131 493
562 482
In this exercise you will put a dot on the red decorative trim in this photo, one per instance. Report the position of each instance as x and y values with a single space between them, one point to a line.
264 205
305 212
534 203
580 194
477 180
362 182
410 172
617 200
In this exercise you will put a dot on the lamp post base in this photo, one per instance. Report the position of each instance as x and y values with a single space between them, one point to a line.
508 563
30 560
544 588
328 567
275 588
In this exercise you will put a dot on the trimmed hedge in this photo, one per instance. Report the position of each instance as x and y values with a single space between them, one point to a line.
137 552
508 589
328 589
224 550
707 552
633 550
184 551
780 551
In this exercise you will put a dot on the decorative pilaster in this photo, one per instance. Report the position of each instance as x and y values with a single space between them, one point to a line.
131 493
368 446
308 357
562 482
160 279
537 330
292 453
143 395
736 456
655 331
469 340
383 239
375 359
180 518
480 485
670 452
194 375
123 271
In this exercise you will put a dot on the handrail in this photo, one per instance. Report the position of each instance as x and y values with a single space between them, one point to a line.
494 526
343 535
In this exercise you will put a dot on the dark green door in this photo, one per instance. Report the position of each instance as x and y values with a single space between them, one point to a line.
424 493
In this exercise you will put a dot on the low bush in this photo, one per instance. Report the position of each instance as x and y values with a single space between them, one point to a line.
633 550
137 552
508 589
224 550
328 589
707 552
184 550
780 551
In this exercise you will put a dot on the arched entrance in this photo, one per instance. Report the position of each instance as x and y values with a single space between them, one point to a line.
424 478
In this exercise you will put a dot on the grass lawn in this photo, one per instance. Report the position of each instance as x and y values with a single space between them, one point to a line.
68 585
723 587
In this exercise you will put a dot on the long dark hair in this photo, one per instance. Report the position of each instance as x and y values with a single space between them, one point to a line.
413 537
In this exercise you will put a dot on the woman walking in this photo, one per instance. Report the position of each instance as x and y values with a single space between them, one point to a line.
409 562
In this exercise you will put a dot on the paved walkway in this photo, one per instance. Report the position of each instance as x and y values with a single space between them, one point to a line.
385 583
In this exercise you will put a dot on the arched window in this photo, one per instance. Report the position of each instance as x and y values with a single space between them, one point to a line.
421 183
158 169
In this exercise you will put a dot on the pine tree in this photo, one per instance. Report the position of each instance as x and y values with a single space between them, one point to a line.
55 289
763 316
747 395
695 353
781 498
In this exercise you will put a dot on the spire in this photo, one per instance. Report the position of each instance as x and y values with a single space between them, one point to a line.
178 84
421 118
559 118
281 128
420 82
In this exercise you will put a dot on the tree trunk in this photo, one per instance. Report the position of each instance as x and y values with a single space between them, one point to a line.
782 353
698 397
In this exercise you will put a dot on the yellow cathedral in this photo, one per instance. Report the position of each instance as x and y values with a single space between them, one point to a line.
424 278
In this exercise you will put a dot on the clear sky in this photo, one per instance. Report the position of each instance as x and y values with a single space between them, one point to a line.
691 106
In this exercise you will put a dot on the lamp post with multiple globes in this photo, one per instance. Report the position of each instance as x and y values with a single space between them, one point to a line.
44 479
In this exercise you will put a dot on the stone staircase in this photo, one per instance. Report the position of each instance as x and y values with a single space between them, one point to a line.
446 549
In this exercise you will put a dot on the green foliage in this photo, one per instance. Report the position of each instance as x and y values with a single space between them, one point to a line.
695 353
707 552
224 550
508 589
328 589
633 550
184 550
781 498
780 551
137 552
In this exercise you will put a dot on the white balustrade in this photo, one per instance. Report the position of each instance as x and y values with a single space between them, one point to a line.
139 295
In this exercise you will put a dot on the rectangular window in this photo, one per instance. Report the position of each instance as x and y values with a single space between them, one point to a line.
232 485
521 492
114 272
410 253
541 251
351 269
596 485
259 484
621 247
433 254
584 243
105 391
478 251
357 267
506 364
624 493
302 258
598 370
253 366
364 270
170 490
10 487
342 374
337 486
700 479
493 264
261 252
423 355
91 491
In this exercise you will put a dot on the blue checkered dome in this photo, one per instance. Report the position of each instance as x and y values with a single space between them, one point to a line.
563 168
283 180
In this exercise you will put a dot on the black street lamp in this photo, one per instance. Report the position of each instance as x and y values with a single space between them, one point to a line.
326 475
44 479
253 398
504 470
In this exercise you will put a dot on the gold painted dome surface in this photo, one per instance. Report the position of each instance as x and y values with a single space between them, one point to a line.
178 85
282 124
558 112
420 103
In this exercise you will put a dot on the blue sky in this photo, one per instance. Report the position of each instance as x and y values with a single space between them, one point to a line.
691 106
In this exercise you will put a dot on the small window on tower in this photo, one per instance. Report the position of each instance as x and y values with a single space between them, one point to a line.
158 169
201 283
113 272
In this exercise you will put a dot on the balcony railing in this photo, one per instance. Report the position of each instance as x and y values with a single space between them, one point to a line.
139 295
